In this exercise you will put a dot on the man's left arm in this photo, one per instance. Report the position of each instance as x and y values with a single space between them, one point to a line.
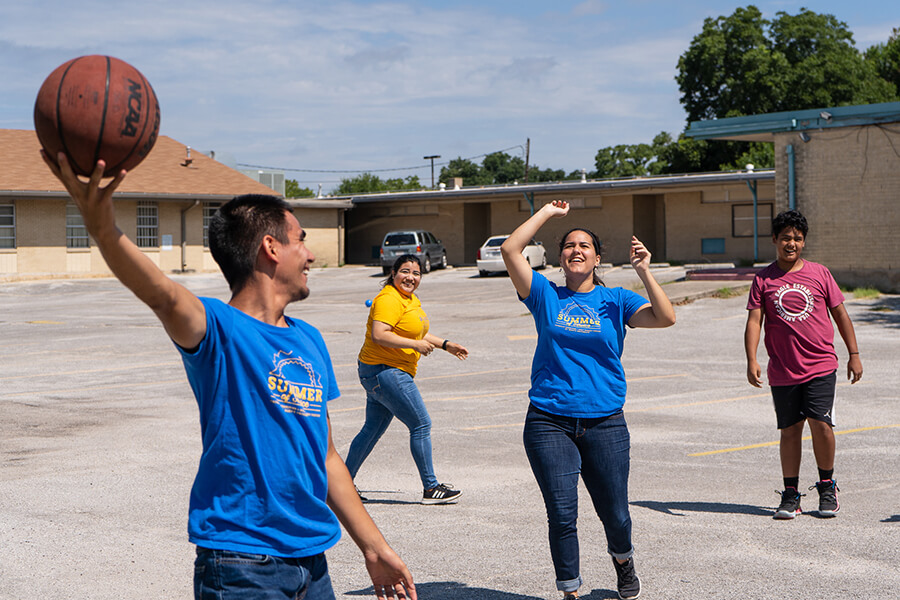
845 328
387 570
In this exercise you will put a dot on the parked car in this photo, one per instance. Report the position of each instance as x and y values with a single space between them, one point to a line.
490 261
422 243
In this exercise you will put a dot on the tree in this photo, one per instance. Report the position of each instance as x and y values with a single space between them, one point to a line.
366 183
885 58
743 65
632 160
470 172
292 189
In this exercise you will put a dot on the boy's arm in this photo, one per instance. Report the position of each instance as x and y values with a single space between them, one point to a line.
181 312
845 327
751 344
388 572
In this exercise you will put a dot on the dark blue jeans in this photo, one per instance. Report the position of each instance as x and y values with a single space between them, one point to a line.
224 575
559 450
391 392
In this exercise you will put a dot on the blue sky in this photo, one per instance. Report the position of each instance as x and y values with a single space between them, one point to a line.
357 85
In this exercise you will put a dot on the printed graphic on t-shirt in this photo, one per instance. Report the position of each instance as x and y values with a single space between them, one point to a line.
794 302
578 318
295 386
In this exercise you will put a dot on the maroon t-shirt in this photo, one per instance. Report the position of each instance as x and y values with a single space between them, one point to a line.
799 334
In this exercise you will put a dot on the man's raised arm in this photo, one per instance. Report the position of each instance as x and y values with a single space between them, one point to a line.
181 312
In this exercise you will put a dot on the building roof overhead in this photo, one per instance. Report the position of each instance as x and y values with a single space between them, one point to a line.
170 170
761 128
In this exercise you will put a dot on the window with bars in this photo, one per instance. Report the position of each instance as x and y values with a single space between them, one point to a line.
209 209
7 225
76 232
147 224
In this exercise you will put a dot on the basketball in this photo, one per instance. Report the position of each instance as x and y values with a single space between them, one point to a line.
97 107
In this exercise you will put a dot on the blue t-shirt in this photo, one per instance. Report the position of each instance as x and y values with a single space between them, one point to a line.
577 371
262 392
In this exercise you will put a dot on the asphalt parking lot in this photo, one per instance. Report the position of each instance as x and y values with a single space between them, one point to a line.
99 444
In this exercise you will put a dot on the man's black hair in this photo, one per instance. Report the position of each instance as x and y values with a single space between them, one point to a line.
236 230
789 219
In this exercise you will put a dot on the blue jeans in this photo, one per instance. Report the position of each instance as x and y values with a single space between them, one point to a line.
559 450
224 575
391 392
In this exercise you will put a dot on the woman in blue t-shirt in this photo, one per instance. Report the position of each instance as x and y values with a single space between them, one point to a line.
575 422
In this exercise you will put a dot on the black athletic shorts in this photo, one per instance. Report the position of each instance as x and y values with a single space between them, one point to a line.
813 399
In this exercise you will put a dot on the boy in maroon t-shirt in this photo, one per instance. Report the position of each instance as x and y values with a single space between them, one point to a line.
793 297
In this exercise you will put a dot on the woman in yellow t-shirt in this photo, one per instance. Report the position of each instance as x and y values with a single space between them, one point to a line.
396 336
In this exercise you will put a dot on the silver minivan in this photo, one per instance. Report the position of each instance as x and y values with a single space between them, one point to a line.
419 242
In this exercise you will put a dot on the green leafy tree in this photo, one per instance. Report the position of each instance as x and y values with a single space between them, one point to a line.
632 160
470 172
885 58
743 64
292 189
367 183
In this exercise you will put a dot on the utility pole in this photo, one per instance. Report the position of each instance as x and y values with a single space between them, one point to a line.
431 158
527 156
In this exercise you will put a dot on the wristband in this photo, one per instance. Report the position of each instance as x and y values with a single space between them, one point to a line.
854 353
444 345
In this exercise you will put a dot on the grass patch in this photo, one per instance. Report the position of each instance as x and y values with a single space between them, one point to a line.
881 308
729 292
866 293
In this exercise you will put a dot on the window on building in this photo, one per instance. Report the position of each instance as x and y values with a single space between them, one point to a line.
7 225
742 220
209 209
76 232
147 224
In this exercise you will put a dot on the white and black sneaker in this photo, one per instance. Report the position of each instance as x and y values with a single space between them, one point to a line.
441 494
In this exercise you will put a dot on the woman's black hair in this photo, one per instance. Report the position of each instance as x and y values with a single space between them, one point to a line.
403 258
595 241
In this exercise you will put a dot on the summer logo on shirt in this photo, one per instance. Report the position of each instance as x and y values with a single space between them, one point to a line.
295 386
575 317
794 302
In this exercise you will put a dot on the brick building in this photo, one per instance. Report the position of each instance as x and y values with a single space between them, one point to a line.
840 167
163 205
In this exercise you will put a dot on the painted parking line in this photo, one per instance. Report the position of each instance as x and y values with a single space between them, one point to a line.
767 444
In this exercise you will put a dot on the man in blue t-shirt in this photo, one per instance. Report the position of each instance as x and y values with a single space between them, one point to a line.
271 489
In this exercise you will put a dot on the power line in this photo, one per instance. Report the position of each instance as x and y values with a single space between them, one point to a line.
425 166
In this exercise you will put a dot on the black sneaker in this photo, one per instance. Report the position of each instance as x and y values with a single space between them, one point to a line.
441 494
790 504
628 584
828 502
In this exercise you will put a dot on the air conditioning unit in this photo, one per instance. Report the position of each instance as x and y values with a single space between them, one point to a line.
272 179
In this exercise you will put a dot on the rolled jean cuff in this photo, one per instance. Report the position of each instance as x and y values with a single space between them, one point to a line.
570 585
621 556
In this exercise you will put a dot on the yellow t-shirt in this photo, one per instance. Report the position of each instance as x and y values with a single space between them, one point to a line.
408 320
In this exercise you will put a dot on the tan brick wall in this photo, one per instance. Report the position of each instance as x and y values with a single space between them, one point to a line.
693 216
41 238
848 187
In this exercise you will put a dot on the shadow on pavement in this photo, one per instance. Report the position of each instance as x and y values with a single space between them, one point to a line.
454 590
670 508
892 519
885 311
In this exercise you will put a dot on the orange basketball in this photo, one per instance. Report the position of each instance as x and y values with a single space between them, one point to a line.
97 107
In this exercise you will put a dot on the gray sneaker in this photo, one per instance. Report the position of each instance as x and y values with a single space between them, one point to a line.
828 502
628 584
